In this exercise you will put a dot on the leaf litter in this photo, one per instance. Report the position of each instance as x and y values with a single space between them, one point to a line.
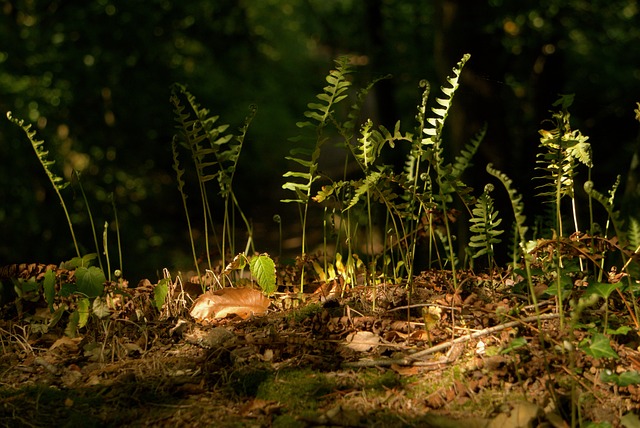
334 356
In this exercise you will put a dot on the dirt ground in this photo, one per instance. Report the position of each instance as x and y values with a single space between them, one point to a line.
481 358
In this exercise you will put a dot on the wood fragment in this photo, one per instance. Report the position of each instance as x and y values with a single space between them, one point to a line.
414 359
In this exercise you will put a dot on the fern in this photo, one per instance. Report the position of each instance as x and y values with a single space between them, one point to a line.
414 157
607 203
633 233
363 186
56 181
444 179
348 128
463 161
181 183
191 134
563 147
215 153
516 203
520 224
484 225
434 130
300 182
319 113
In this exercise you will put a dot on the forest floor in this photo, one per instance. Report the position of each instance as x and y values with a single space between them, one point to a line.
327 358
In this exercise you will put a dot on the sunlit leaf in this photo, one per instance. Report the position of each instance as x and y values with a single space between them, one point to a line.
264 271
83 312
160 293
242 302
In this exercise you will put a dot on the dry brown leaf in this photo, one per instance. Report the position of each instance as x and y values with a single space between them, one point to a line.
243 302
362 341
405 370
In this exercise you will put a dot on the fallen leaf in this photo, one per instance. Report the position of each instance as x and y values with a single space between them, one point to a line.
405 370
362 341
242 302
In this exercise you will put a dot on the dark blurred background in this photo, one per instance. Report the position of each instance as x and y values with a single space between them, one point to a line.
94 78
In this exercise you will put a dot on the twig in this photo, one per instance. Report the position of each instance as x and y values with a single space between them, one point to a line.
412 359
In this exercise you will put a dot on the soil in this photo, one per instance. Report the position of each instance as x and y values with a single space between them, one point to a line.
403 355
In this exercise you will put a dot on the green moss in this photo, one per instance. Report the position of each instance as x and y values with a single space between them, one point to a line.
246 382
376 380
296 389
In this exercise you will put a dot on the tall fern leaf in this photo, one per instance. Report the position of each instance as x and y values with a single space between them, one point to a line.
435 124
484 225
56 181
319 113
463 161
516 203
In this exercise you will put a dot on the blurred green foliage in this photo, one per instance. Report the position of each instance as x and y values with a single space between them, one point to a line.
94 78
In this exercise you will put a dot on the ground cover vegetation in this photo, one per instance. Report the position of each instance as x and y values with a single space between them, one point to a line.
396 320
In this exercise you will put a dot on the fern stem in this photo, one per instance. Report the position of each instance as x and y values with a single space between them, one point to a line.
91 222
179 174
115 216
106 249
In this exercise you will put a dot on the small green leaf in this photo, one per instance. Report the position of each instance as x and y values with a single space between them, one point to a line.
622 330
264 271
623 379
629 378
516 343
598 347
90 281
160 293
83 312
49 285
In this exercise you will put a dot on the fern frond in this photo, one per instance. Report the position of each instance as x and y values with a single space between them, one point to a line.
484 225
348 128
180 179
196 125
435 124
463 161
412 164
320 113
563 146
607 203
633 233
516 202
363 186
327 191
331 95
56 181
373 140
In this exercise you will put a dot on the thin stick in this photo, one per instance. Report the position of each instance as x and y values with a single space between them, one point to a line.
412 359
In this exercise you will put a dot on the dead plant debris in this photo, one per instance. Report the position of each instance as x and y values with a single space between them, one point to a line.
399 355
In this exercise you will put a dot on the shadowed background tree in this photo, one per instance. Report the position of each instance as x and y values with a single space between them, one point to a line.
94 78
